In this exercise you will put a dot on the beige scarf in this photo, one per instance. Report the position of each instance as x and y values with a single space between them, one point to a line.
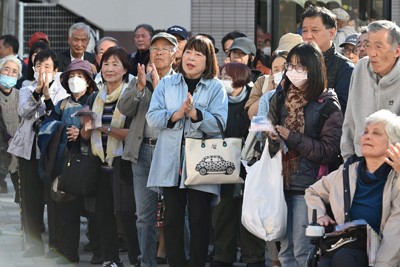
295 103
114 146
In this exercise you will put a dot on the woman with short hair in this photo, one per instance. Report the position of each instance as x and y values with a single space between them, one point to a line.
187 104
374 194
114 197
35 101
10 72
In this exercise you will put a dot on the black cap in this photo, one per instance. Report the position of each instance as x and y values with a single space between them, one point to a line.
178 30
211 39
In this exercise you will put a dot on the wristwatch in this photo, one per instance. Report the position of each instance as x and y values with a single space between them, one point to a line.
109 130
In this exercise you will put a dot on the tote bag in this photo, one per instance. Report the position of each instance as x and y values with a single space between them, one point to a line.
213 160
264 210
80 175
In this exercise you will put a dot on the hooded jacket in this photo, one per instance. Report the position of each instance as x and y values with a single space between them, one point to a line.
368 93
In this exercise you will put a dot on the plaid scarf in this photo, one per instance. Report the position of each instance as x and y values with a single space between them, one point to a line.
295 103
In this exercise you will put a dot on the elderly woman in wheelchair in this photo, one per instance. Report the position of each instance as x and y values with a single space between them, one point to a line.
373 195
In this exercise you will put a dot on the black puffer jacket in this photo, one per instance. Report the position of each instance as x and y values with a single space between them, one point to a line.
319 145
338 70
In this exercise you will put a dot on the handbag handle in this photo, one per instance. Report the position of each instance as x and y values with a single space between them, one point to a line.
224 144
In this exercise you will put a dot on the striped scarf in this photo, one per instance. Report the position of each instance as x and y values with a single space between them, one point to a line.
114 146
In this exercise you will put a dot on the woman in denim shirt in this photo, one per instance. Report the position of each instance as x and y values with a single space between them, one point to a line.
186 105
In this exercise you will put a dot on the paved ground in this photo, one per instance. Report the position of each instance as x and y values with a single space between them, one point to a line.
11 241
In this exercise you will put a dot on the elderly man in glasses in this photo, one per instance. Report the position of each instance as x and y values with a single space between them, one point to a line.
141 139
349 47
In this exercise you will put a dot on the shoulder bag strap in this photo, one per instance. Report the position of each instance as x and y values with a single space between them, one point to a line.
346 185
346 191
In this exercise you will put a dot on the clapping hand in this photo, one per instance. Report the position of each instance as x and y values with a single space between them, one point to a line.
42 86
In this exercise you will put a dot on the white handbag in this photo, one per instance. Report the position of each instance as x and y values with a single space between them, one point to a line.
213 160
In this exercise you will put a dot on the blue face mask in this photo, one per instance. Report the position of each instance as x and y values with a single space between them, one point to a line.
7 81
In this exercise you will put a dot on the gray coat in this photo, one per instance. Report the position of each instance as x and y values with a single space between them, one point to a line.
135 104
30 110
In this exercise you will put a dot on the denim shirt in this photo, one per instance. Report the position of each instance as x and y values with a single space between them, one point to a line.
210 98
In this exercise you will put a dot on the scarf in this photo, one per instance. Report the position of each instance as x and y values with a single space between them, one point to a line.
295 103
239 98
114 146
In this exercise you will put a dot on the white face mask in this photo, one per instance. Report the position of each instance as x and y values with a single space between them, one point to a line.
278 77
77 85
266 50
297 79
228 86
49 76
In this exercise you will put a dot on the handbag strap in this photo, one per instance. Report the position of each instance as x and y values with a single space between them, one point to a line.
221 130
346 186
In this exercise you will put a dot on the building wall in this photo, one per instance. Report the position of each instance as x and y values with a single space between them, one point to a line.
218 17
396 12
124 15
8 21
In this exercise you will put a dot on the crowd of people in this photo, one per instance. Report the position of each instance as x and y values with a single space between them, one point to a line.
331 94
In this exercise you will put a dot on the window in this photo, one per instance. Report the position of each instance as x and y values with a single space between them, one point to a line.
277 17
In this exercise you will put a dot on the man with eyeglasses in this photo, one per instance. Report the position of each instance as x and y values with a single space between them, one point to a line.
374 85
349 47
141 139
319 27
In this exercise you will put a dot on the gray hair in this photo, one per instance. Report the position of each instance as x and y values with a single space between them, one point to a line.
79 26
102 40
13 59
390 121
363 29
391 27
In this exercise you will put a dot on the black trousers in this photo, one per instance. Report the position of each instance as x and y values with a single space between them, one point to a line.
105 218
32 197
199 207
345 257
70 213
226 222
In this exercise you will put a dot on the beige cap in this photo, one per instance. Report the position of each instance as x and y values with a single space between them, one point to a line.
341 14
288 41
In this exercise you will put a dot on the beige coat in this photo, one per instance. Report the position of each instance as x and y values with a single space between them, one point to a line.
329 189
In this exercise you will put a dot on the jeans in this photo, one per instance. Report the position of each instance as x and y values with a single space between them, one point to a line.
295 246
146 207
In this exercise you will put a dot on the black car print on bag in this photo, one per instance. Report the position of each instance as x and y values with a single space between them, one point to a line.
214 164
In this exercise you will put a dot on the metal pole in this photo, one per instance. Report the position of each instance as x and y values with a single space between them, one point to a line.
21 29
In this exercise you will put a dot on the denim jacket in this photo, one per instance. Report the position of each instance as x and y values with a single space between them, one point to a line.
210 98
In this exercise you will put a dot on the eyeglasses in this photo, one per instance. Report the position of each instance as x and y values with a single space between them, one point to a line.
163 50
299 68
348 50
